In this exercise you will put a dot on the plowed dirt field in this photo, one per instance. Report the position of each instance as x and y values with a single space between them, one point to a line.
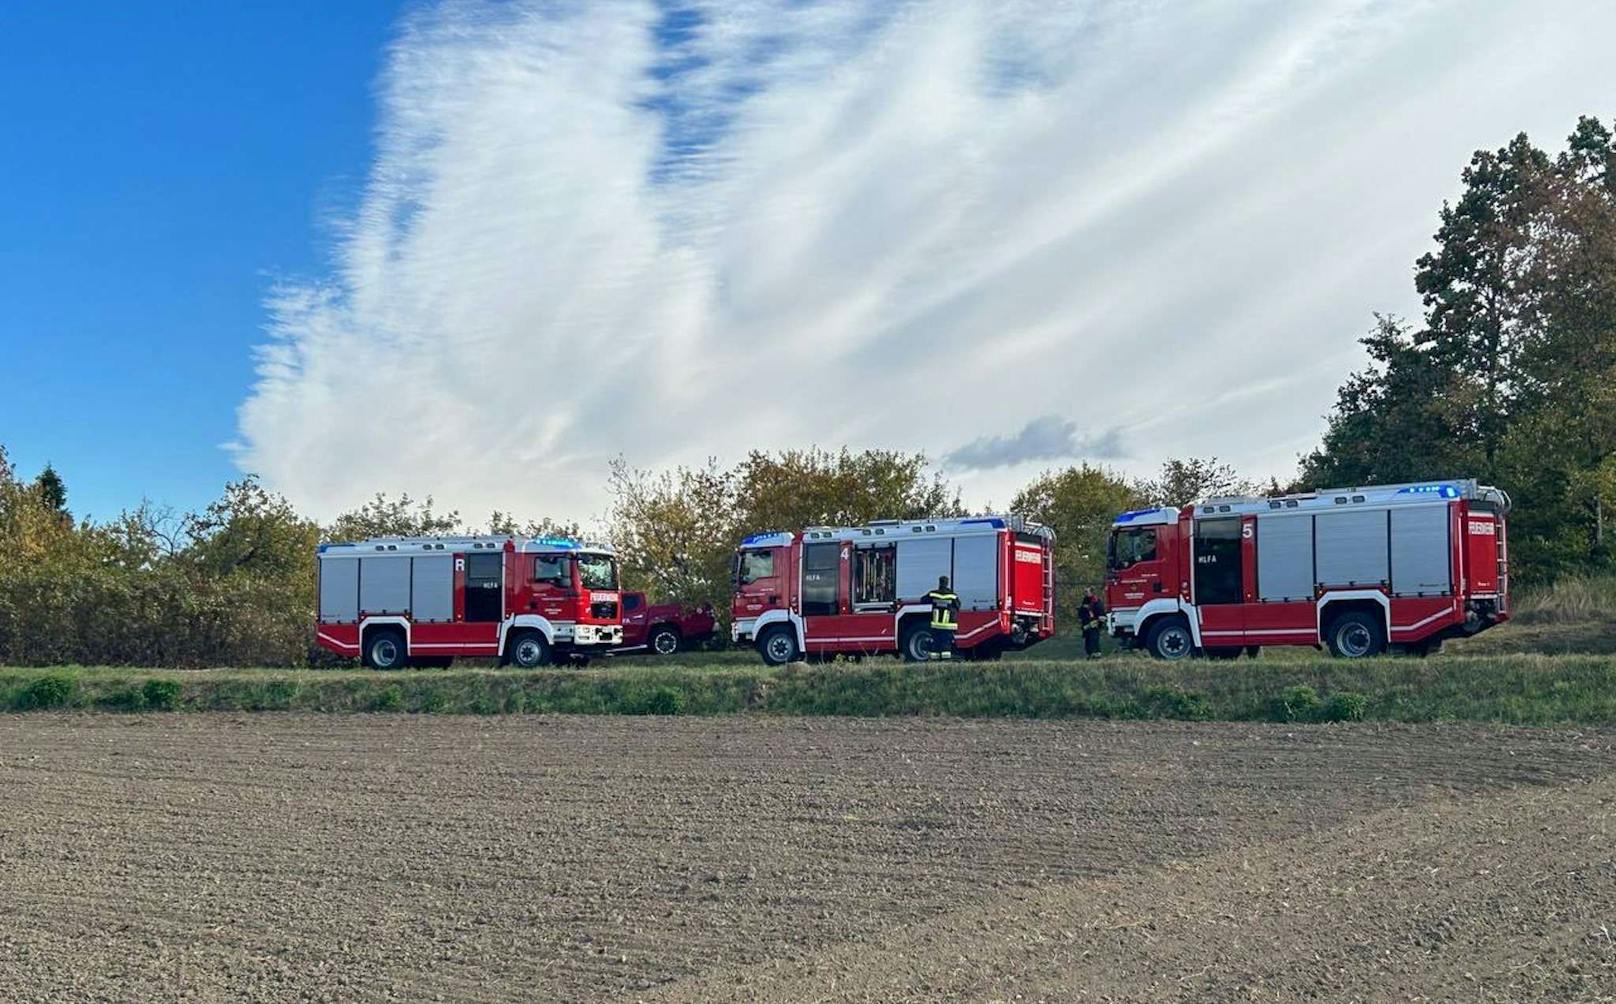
367 858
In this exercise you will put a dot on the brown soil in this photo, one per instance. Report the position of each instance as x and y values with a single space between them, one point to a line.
289 858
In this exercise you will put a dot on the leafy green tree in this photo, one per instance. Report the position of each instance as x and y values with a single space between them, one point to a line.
1473 290
675 532
52 490
1079 503
800 488
250 530
1511 377
507 524
1184 481
400 517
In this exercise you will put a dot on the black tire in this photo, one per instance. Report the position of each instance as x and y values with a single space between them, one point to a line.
385 649
778 646
1224 653
527 650
664 640
915 644
1170 640
1356 635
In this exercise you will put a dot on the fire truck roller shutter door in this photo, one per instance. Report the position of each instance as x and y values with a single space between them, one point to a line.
920 562
339 590
1420 551
432 591
976 572
1285 558
1352 547
384 585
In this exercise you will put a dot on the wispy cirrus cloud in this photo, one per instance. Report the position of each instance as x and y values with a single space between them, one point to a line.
670 230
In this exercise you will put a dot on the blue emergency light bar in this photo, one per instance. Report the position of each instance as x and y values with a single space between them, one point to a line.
1133 514
561 543
1446 491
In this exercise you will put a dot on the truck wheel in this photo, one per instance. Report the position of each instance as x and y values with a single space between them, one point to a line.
916 643
529 650
1356 635
778 646
385 649
664 640
1170 639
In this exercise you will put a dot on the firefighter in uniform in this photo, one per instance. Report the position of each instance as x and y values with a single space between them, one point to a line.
944 619
1091 616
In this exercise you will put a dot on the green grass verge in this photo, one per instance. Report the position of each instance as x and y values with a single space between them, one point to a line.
1515 689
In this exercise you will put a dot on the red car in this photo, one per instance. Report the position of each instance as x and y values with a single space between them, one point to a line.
663 628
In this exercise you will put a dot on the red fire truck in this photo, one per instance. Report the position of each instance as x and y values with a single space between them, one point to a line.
861 590
1360 570
395 600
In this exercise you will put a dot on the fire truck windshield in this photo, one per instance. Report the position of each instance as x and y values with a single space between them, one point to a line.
597 571
1129 547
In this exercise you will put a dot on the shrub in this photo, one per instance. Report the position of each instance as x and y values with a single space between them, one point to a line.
160 694
52 690
1344 706
124 699
657 701
1162 701
1299 703
281 693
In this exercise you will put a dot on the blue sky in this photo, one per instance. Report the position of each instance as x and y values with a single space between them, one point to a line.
165 163
480 248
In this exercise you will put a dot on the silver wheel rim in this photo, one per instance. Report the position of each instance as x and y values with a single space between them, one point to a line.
665 643
1175 643
1354 641
384 653
920 646
780 648
527 652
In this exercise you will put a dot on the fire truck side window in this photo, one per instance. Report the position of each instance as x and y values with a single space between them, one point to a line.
551 568
1130 547
875 576
756 565
821 569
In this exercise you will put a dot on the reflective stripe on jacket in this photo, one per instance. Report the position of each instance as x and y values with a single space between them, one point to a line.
943 609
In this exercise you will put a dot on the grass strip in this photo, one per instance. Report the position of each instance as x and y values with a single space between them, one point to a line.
1517 689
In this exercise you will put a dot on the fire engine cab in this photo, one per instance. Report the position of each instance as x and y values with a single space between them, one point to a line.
392 601
1360 570
862 590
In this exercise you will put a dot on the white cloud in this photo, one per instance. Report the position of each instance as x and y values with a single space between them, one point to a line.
594 229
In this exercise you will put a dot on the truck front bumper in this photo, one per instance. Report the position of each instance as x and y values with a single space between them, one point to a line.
597 635
741 630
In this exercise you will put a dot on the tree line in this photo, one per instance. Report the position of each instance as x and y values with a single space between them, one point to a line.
1509 376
